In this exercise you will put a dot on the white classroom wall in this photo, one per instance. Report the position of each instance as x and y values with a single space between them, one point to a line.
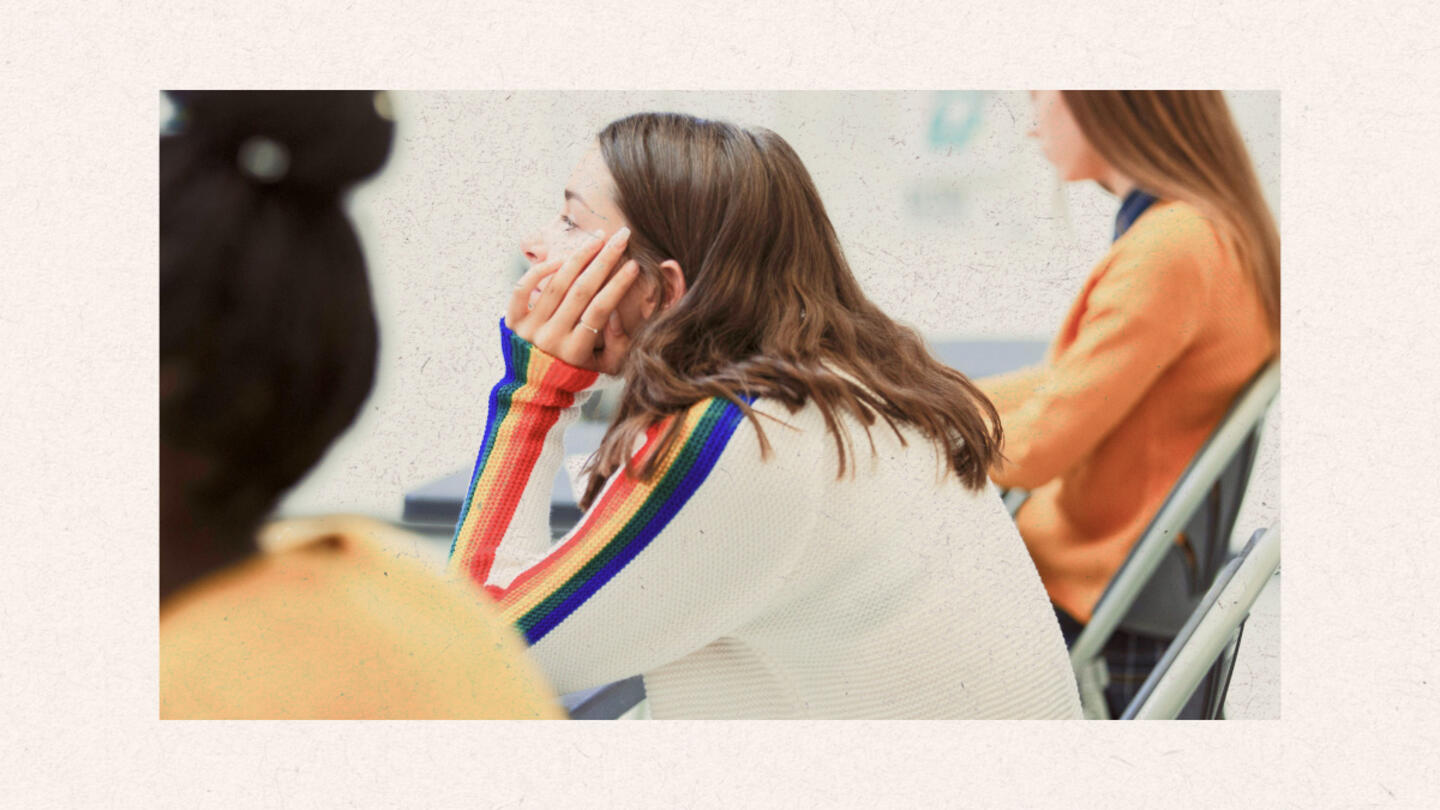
951 218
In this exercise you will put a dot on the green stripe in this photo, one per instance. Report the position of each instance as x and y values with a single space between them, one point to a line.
668 482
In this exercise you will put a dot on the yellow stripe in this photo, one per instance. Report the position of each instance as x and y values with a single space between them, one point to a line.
516 604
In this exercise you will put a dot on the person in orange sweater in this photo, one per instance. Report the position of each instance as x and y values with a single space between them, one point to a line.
1177 316
267 351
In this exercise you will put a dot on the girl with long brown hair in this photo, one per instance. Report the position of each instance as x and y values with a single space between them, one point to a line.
1177 316
789 515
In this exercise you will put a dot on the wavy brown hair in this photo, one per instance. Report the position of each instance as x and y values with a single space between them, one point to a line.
1183 145
771 306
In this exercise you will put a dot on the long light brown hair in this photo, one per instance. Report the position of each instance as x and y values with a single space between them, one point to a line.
771 307
1183 145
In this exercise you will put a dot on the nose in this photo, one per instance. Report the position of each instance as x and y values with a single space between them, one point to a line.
533 246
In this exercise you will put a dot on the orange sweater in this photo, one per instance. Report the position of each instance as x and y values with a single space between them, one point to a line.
337 627
1165 333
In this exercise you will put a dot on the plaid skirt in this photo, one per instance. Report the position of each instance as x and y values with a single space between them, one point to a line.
1130 657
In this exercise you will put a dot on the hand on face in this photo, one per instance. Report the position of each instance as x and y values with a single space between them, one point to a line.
566 306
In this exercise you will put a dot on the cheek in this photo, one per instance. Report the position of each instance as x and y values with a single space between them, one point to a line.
555 242
1052 141
1066 156
632 309
1066 148
563 242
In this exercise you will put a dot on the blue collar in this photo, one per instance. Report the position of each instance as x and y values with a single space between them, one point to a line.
1130 210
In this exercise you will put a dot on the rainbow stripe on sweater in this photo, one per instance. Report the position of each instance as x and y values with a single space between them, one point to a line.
524 406
627 517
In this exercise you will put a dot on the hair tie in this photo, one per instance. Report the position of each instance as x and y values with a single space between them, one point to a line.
263 159
383 106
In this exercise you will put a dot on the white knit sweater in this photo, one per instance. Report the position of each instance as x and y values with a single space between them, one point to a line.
750 588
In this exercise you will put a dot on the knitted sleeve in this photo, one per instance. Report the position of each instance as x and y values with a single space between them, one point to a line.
504 523
1007 391
656 569
1139 316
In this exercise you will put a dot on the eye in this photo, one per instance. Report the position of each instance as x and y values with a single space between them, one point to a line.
569 223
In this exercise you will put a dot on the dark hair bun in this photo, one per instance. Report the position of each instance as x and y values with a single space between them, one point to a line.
310 141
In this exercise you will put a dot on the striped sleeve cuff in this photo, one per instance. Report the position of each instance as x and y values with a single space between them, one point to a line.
537 377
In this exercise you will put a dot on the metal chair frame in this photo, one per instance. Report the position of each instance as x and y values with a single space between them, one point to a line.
1238 432
1211 635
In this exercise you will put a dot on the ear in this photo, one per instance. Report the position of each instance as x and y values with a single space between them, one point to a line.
674 280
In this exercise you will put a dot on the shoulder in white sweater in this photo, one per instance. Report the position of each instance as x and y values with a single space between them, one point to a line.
750 587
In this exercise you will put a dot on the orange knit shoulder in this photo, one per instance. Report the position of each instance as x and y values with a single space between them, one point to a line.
1176 227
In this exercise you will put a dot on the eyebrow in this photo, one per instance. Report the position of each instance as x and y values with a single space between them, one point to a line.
570 195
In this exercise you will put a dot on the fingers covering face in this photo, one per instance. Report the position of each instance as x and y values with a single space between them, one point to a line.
598 310
599 316
563 306
555 291
584 288
519 305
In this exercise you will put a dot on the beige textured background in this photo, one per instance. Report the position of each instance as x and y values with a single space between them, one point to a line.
77 591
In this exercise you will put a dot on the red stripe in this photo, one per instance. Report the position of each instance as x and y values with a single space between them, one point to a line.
569 378
499 511
601 511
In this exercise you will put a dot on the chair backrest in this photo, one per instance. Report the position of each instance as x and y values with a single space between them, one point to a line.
1169 597
1203 504
1212 632
1156 589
